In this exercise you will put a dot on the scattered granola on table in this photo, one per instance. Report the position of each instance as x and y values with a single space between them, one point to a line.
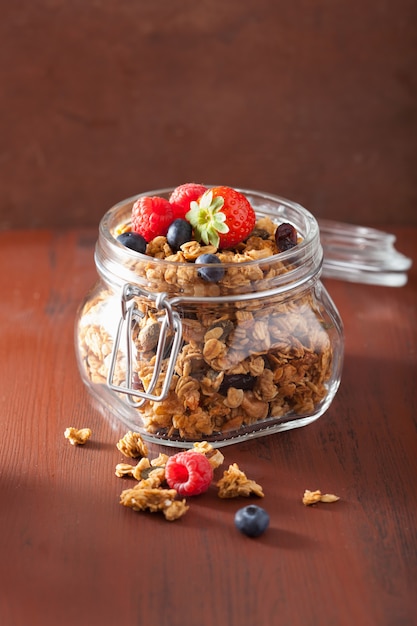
132 445
77 436
312 497
214 456
126 469
143 497
235 483
150 493
143 468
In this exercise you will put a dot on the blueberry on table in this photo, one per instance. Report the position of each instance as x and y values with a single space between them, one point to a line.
134 241
210 274
179 232
252 520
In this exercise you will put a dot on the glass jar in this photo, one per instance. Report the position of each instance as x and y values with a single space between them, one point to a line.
179 359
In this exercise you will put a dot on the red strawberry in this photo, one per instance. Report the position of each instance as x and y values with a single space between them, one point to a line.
183 195
222 217
151 216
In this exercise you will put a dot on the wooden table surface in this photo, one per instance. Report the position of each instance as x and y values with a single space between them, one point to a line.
71 555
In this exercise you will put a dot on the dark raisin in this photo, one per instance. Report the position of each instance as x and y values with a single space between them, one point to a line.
260 232
238 381
285 237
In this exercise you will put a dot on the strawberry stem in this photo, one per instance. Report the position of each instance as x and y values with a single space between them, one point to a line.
207 218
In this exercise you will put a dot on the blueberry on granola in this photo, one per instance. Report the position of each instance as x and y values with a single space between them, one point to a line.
179 232
134 241
210 274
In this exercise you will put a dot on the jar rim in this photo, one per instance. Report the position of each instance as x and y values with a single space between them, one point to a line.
304 259
105 226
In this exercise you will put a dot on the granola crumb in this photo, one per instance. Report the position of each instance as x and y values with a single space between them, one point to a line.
132 445
77 436
124 469
235 483
312 497
160 460
175 510
215 457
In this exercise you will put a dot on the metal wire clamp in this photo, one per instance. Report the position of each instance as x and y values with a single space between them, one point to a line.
170 327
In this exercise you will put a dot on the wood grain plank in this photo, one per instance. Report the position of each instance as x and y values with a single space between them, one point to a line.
77 557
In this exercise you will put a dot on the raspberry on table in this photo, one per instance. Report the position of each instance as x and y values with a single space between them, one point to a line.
189 472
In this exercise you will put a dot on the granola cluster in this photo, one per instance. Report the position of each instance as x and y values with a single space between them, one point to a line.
235 483
148 495
248 265
132 445
240 363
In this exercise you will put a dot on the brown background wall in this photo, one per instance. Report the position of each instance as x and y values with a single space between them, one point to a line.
311 99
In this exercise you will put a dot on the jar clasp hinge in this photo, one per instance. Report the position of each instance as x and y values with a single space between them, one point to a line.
169 340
